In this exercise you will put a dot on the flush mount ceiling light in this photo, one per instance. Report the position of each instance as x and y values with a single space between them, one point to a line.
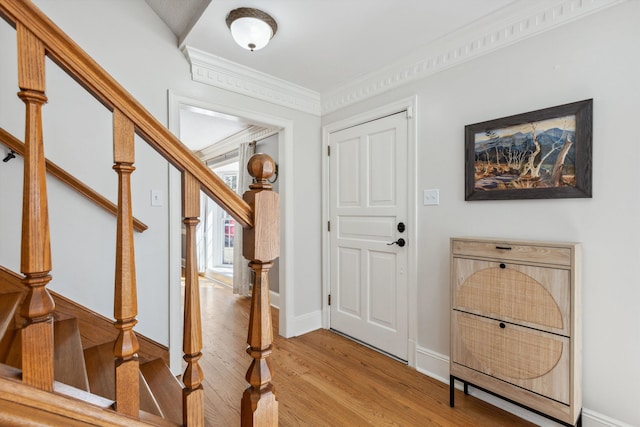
251 28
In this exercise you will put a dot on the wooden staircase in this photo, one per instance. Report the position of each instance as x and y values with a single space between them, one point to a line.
59 364
86 371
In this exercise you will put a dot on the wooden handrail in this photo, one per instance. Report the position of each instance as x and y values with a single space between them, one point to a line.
71 58
16 145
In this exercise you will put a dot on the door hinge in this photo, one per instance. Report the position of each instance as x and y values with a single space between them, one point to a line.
329 299
328 225
328 150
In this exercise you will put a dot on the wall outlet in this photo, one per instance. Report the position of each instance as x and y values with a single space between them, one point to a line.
431 197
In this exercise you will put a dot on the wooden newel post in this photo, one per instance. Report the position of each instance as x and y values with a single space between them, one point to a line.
35 263
261 245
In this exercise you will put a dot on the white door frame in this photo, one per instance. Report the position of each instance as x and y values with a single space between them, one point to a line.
285 167
409 105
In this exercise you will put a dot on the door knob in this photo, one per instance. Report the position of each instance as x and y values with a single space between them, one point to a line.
400 242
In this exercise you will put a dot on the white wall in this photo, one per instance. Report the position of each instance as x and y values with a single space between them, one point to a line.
596 57
139 51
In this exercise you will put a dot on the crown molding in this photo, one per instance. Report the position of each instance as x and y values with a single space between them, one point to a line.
521 20
219 72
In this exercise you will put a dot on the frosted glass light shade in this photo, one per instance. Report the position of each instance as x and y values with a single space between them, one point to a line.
251 33
251 28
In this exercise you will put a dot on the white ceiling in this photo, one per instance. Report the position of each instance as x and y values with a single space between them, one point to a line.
322 44
330 53
200 128
319 45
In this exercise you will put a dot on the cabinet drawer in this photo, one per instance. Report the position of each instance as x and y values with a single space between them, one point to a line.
531 359
512 251
539 297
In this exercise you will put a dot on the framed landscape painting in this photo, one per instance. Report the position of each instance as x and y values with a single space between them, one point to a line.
542 154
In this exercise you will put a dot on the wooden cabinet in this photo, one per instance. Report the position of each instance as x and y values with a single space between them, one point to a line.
515 323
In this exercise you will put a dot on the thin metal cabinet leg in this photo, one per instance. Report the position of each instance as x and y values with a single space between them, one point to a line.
452 387
466 388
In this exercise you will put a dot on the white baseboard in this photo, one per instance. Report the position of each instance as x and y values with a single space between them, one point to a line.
595 419
301 324
432 364
306 323
436 365
274 298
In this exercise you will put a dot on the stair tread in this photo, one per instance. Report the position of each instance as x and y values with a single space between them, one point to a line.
83 395
157 421
10 372
69 366
165 387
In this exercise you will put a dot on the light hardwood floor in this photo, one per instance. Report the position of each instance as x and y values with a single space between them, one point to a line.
323 379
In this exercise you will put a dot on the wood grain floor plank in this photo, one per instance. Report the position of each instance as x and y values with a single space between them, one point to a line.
324 379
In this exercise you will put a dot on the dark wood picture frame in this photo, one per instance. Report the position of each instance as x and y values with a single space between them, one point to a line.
542 154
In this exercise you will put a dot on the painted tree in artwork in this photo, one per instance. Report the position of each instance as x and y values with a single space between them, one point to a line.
530 167
563 143
493 137
515 157
556 173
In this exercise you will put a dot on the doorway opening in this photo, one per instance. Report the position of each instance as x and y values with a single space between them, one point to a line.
220 240
275 129
223 141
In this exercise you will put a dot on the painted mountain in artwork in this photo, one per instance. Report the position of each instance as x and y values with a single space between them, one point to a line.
514 160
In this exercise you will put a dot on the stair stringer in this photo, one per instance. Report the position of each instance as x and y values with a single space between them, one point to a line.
95 329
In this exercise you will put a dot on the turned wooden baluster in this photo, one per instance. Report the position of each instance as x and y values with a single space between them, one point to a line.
192 394
125 306
261 245
35 264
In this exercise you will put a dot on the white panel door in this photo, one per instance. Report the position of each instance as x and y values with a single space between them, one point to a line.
368 196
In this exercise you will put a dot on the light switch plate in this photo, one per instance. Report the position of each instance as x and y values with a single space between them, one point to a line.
432 197
156 198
